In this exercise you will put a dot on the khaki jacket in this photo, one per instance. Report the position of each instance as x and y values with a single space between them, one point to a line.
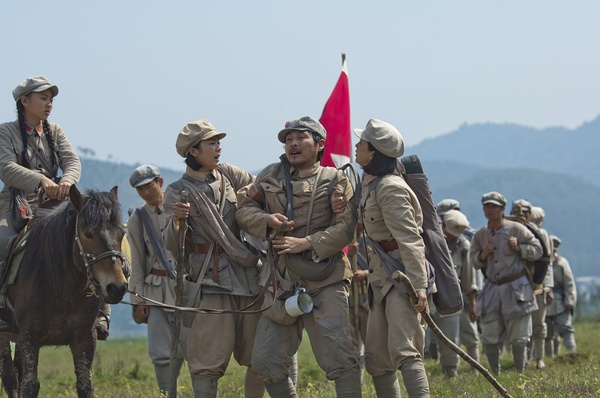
391 211
40 159
144 258
233 278
514 298
565 290
329 233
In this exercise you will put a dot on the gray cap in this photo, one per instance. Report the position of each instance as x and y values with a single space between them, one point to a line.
34 84
524 203
456 222
537 215
445 205
555 241
194 132
495 198
305 123
383 136
143 175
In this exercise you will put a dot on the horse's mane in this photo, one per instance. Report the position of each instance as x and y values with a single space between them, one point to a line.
49 253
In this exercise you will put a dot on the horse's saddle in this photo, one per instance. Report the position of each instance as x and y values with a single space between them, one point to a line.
15 256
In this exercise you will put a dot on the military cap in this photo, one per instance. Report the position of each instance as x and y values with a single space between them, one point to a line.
383 136
524 203
305 123
143 175
456 222
537 215
495 198
555 241
193 133
445 205
34 84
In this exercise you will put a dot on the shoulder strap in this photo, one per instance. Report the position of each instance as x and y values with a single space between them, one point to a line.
156 242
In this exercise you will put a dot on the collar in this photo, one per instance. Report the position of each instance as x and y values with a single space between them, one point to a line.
211 176
29 129
498 228
156 209
306 172
368 178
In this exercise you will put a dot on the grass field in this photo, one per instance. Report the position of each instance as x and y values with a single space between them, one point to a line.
123 369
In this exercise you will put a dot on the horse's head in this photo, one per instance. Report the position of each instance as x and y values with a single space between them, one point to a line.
99 234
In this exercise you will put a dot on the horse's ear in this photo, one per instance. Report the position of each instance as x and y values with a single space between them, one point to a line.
76 198
115 191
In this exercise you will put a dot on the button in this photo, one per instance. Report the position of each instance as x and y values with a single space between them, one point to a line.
210 269
371 270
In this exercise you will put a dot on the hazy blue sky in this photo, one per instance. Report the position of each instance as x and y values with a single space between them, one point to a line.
132 73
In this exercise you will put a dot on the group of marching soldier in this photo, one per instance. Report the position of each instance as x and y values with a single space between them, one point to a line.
265 260
501 301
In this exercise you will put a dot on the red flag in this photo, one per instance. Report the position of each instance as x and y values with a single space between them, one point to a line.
336 120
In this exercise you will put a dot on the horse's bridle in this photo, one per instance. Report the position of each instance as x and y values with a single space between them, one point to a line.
89 258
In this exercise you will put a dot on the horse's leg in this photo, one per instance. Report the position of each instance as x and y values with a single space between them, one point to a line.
8 369
83 350
28 352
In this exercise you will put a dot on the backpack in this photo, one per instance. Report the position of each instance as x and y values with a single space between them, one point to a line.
536 270
448 299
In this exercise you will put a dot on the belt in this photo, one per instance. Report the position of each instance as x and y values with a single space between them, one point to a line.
159 272
389 245
502 281
203 248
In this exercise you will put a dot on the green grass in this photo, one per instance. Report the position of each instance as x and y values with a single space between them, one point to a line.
123 369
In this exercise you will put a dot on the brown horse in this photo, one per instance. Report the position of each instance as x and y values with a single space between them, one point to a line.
73 258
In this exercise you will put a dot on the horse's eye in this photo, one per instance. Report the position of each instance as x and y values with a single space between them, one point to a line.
88 234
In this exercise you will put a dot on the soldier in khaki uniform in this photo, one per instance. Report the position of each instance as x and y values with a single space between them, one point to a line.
506 301
560 312
544 296
391 216
454 224
225 269
308 238
152 273
32 150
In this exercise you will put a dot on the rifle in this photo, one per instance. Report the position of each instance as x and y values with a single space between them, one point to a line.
178 300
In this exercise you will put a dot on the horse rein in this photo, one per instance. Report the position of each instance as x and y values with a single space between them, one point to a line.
89 258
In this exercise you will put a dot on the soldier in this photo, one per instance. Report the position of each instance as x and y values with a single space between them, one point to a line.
153 273
560 312
221 268
32 150
544 296
506 301
462 327
290 205
392 219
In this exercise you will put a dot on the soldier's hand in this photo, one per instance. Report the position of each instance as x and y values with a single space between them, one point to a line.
290 244
549 297
360 275
486 252
337 200
421 304
180 210
352 248
514 245
142 311
280 223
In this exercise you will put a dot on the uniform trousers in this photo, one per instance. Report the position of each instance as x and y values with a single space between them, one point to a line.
160 336
328 328
214 337
540 330
394 334
450 326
